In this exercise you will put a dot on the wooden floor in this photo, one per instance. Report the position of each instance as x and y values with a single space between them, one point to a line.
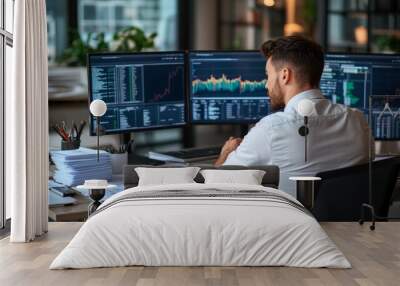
375 257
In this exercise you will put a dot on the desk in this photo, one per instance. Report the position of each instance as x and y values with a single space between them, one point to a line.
79 210
76 212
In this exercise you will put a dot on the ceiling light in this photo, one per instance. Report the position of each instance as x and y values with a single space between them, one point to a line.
269 3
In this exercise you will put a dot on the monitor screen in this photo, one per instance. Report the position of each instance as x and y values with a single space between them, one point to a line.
227 87
350 79
141 90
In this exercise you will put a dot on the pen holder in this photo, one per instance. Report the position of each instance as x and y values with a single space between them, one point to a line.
70 145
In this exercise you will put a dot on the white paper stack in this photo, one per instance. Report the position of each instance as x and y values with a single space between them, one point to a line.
76 166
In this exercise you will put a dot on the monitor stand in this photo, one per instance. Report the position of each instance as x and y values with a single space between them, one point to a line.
136 159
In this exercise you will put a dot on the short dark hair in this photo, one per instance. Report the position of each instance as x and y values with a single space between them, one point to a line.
305 56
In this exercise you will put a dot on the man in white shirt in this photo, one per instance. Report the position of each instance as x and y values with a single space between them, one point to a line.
338 136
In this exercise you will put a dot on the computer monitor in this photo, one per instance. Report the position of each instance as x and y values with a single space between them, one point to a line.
351 79
226 87
142 90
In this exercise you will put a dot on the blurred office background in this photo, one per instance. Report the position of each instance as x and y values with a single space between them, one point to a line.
357 26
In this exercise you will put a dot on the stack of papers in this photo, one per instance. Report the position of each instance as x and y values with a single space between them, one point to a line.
76 166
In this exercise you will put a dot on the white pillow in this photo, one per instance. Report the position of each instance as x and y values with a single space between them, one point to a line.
248 177
165 176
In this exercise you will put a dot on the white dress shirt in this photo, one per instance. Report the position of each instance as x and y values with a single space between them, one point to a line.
338 137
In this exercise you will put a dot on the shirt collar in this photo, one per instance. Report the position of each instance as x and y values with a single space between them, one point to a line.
309 94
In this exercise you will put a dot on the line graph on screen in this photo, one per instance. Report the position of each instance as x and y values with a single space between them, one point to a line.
235 85
165 84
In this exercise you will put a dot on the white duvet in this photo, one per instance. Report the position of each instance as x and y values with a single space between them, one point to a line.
200 231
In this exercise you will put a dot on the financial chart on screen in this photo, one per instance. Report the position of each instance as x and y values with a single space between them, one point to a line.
227 87
142 90
351 79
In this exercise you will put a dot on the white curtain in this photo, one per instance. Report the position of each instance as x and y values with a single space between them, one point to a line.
27 123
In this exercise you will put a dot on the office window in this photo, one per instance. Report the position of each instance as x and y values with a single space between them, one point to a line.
111 16
89 12
6 29
9 13
57 28
51 37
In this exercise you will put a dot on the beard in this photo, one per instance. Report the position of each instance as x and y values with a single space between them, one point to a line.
276 97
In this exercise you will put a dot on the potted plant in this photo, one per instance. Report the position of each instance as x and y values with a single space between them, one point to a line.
68 80
131 39
388 44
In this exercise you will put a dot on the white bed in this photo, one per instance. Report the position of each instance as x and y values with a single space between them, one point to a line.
224 225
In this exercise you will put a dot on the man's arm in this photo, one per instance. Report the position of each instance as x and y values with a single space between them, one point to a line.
230 145
255 148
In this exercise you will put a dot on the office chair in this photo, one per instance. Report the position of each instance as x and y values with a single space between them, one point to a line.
342 192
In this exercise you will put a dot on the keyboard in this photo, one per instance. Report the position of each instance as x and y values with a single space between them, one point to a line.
187 155
196 152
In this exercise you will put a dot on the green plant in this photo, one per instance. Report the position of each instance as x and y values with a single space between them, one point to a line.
388 43
131 39
309 15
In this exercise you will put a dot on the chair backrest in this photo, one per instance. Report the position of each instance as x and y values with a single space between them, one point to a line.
341 192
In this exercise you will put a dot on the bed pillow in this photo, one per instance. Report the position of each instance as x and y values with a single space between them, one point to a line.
248 177
166 176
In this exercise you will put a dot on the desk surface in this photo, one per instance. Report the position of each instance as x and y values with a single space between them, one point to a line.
76 212
79 210
374 255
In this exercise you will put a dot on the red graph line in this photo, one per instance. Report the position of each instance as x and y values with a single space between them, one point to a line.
167 90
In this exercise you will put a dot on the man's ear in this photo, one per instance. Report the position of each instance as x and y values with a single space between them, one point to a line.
285 75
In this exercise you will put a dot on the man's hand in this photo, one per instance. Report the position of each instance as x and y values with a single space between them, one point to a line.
230 145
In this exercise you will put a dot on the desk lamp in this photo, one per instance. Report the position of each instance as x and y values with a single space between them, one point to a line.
98 108
305 108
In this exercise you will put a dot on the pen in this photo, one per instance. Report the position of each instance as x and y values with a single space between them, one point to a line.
62 135
65 134
81 126
56 130
71 134
75 130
